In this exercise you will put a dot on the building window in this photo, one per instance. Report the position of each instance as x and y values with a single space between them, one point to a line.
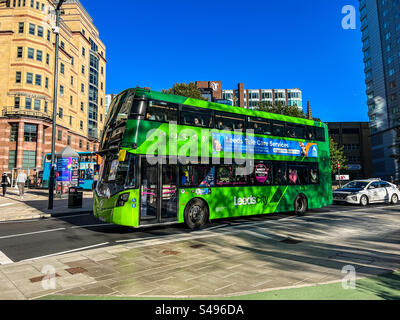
62 45
392 84
47 58
13 132
80 144
83 69
102 70
72 60
38 80
32 29
83 51
31 53
82 88
70 100
17 102
39 55
29 160
87 146
59 135
47 83
12 163
69 140
28 103
18 77
72 80
37 105
21 27
70 120
60 112
81 106
19 52
81 125
30 132
62 68
40 31
61 91
48 35
29 78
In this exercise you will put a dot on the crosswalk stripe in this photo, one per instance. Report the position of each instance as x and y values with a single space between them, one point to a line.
4 259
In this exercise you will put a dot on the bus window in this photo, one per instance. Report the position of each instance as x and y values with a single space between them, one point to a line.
259 125
313 170
196 117
262 173
294 131
195 176
320 134
278 129
229 122
298 174
310 133
161 111
231 175
279 171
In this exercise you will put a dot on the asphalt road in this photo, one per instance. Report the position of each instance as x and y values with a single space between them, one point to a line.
39 238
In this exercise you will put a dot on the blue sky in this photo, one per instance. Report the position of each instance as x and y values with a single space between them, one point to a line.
262 43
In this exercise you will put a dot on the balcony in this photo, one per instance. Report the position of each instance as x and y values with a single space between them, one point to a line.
13 112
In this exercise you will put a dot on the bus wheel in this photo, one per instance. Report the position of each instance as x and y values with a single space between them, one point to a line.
300 205
196 214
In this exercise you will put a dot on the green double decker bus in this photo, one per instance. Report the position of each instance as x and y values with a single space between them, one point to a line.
169 159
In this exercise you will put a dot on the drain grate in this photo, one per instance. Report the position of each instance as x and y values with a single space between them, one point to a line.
76 270
291 241
48 277
197 246
170 252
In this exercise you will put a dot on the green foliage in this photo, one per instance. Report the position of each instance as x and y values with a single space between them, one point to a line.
279 108
337 155
185 90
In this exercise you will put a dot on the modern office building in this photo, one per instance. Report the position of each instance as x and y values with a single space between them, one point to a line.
27 53
249 98
380 26
355 138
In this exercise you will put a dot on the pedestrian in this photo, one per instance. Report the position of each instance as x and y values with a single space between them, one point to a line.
5 181
21 179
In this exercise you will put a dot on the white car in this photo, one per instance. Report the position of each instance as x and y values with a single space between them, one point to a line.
364 192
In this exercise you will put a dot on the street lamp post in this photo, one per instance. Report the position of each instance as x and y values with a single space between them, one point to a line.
56 30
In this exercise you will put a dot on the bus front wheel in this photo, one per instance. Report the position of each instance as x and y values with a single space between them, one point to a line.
196 214
300 205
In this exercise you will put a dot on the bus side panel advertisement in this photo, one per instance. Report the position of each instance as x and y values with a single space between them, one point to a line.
223 142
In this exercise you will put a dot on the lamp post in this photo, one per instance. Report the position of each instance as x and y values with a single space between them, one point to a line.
56 30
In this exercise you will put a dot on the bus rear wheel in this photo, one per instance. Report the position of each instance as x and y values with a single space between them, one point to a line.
196 214
300 205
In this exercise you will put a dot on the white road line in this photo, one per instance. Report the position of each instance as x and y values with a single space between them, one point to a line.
6 204
37 220
30 233
143 239
93 225
69 251
4 259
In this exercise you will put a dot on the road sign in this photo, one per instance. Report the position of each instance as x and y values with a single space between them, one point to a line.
342 177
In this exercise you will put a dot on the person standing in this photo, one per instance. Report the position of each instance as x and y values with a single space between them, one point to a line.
21 179
5 181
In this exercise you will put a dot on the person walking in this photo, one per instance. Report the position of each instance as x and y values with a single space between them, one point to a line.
5 181
21 179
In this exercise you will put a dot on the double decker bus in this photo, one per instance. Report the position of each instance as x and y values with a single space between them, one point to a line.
170 159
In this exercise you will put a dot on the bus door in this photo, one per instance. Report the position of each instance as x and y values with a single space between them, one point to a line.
158 193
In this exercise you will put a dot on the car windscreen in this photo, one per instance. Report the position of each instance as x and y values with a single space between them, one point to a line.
356 185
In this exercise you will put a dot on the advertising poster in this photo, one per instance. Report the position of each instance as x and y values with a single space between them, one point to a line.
236 143
64 169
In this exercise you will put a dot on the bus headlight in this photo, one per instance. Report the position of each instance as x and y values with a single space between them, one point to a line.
122 199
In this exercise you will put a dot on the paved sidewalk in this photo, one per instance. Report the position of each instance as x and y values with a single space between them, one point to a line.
217 263
35 204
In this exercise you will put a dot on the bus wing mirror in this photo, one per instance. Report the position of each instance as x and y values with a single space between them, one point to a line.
94 185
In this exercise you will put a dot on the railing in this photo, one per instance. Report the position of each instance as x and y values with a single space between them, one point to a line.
17 112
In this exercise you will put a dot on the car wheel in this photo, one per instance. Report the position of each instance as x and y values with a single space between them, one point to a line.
196 214
395 199
364 200
300 205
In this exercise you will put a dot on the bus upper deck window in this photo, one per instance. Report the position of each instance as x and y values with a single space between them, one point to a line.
229 122
278 129
196 117
320 134
295 131
310 133
161 111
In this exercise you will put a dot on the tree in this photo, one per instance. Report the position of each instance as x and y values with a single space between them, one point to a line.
279 108
337 156
185 90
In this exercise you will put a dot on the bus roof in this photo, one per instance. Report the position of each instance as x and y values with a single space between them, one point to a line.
222 107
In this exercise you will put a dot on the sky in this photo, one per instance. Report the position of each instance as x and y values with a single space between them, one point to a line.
262 43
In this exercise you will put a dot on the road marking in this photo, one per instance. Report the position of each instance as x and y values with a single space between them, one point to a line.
93 225
6 204
69 251
4 259
30 233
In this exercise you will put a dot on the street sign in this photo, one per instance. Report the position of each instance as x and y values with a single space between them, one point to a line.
342 177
